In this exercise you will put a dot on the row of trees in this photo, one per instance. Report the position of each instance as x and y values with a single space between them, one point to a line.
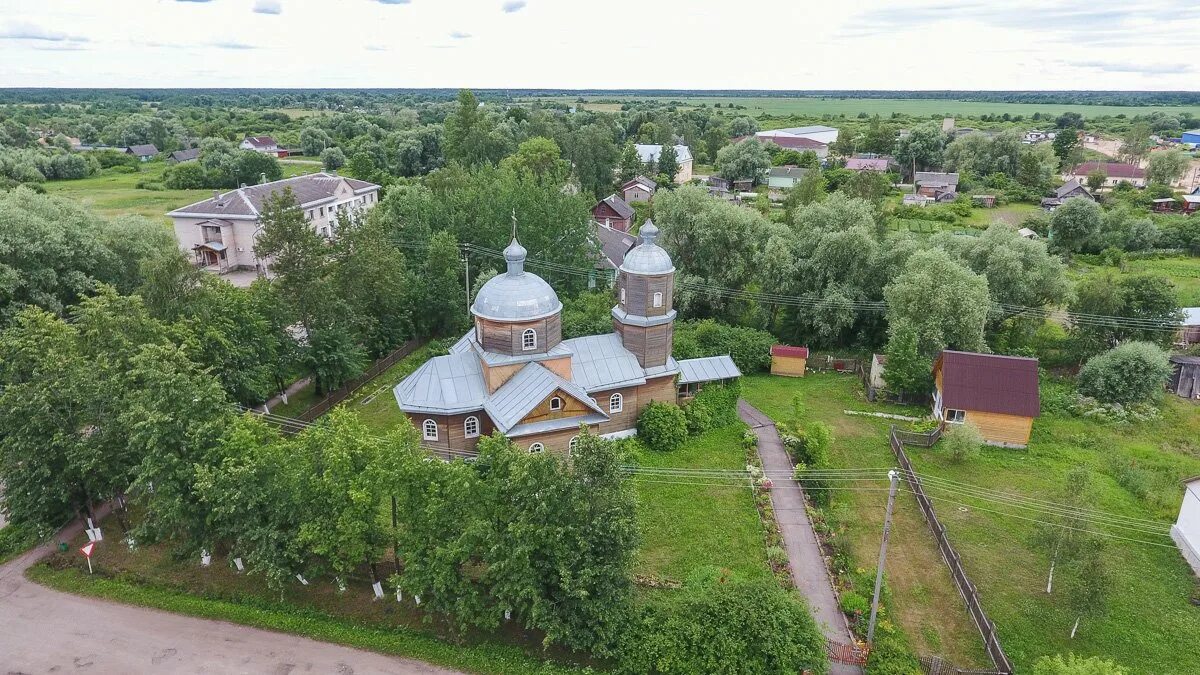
222 164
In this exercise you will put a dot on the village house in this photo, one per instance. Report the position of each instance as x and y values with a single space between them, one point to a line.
638 189
1069 190
1185 376
785 177
798 139
612 211
1191 201
997 394
144 153
189 155
870 163
613 245
1189 332
1114 173
1186 530
262 144
515 374
220 232
939 186
683 157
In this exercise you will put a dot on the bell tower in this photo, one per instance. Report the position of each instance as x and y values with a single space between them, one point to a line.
644 316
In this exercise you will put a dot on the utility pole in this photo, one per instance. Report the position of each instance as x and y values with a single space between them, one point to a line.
887 531
467 281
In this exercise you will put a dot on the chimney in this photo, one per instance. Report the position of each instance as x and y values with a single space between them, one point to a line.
262 178
217 197
241 186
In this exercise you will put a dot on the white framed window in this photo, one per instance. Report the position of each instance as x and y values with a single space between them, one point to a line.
429 430
571 445
622 295
616 403
529 339
658 300
471 427
955 416
556 403
536 447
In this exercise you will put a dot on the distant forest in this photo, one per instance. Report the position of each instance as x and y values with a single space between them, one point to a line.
293 97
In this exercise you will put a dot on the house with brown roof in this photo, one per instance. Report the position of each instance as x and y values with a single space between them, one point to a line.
936 184
1114 173
613 212
144 152
188 155
1068 190
220 232
638 189
997 394
264 144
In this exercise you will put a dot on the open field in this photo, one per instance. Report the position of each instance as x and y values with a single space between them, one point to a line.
1184 272
117 194
817 107
1149 625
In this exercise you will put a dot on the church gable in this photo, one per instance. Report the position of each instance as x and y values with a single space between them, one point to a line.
549 408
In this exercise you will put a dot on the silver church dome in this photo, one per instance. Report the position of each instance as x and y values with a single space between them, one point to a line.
516 295
648 257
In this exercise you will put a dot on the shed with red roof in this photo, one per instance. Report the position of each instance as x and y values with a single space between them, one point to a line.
789 361
997 394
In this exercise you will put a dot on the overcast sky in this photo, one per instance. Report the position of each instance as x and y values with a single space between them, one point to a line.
676 44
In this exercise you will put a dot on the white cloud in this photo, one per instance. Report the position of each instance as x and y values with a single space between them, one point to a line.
267 7
459 35
513 6
25 30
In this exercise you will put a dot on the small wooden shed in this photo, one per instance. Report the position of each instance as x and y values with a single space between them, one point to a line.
789 361
998 394
1185 376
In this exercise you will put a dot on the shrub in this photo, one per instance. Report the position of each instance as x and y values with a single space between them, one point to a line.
854 605
663 426
1129 373
186 176
147 184
735 626
961 441
1076 665
749 348
749 440
714 407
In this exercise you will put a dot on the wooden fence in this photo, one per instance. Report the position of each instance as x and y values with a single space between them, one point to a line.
991 642
349 388
925 440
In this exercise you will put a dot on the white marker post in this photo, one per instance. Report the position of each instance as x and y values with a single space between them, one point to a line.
237 562
205 558
302 580
87 553
378 588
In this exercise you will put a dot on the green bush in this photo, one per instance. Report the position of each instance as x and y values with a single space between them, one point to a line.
1076 665
961 441
749 348
663 426
186 176
1129 373
713 408
735 626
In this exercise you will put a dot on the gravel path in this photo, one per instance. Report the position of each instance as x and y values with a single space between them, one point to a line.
42 630
803 548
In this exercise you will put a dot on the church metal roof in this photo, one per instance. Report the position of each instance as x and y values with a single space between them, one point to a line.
516 295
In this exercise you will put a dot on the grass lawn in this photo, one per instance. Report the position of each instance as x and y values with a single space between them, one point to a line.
779 106
1011 214
116 194
686 528
1184 272
1149 626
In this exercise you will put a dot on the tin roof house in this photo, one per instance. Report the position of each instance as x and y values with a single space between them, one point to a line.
513 372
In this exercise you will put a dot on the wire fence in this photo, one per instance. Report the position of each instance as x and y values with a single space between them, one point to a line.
991 642
351 387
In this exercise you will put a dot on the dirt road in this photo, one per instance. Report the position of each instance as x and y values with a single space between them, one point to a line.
46 631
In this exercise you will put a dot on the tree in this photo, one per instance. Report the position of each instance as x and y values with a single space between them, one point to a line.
1066 147
923 147
742 126
1132 372
1135 143
219 158
1076 665
745 160
809 190
371 276
1144 308
333 158
662 426
907 372
1087 581
668 163
1166 167
471 136
442 311
314 140
594 156
1074 224
629 165
255 167
1096 178
540 158
945 302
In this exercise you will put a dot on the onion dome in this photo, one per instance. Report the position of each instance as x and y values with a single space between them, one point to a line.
516 295
648 257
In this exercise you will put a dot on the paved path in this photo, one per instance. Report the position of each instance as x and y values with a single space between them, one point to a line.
803 548
47 631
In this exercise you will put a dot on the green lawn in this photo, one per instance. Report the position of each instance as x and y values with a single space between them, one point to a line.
1149 626
1011 214
1184 272
816 107
117 194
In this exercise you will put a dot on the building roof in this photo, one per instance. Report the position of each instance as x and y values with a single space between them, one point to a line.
516 295
1187 360
186 155
936 179
261 141
785 350
620 206
146 150
531 385
1028 233
707 369
796 172
614 244
649 153
1069 187
445 385
602 362
647 257
1110 169
640 180
868 163
1007 385
246 202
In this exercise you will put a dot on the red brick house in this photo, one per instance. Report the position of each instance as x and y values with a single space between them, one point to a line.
613 212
